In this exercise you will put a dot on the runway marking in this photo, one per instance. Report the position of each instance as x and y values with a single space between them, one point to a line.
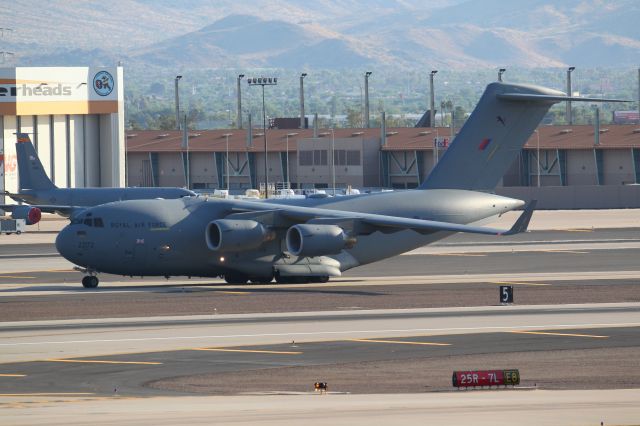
404 331
564 251
48 394
459 254
401 342
252 351
89 361
232 292
519 283
546 333
575 230
13 375
17 277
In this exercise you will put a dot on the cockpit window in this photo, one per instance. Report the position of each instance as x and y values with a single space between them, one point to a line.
76 221
88 222
97 222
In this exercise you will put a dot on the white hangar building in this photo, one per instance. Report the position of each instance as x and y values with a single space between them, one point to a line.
75 117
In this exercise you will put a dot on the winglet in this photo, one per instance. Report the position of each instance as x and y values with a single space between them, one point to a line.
522 223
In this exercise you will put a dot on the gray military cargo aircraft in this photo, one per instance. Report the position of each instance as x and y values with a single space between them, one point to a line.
42 195
314 239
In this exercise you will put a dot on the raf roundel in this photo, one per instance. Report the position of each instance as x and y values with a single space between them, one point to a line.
103 83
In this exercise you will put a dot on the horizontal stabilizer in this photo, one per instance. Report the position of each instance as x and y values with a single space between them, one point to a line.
522 223
552 99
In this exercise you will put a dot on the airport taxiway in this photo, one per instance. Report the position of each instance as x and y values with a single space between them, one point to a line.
397 326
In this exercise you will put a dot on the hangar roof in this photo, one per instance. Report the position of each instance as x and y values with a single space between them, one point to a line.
398 139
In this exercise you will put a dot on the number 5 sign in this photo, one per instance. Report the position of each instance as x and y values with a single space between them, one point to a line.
506 294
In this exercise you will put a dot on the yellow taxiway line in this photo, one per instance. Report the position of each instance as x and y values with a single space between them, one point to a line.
547 333
459 254
252 351
48 394
89 361
401 342
519 283
564 251
20 277
13 375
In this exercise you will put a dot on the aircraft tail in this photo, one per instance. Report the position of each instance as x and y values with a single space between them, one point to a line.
31 174
494 134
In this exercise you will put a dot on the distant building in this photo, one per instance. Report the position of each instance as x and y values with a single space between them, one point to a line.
557 157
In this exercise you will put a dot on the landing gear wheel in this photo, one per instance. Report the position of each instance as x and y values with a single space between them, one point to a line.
236 278
282 280
260 280
90 281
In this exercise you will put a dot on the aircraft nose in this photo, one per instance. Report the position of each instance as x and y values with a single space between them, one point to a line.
64 242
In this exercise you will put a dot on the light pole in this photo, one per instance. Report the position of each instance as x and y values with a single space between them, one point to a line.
333 161
500 72
432 105
568 113
264 81
302 126
226 167
538 154
239 111
288 178
177 79
366 98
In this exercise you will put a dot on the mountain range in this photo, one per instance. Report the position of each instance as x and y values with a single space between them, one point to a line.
405 34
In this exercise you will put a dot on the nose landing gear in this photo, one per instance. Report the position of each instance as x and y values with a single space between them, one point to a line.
89 281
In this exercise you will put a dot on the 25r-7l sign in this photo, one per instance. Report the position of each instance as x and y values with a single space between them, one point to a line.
465 379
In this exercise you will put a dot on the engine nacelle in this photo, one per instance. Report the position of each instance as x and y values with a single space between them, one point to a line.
236 235
308 240
31 215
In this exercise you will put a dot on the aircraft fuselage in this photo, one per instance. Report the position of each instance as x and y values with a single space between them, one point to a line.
167 237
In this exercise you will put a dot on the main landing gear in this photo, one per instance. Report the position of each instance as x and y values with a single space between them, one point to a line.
90 281
242 279
301 279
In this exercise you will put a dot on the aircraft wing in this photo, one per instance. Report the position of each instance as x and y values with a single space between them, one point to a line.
365 223
66 211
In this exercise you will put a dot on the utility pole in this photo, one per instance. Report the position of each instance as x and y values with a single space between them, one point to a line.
302 76
177 79
432 105
569 91
366 98
239 112
264 81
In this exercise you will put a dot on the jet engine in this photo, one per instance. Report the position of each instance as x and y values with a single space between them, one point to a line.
236 235
308 240
30 214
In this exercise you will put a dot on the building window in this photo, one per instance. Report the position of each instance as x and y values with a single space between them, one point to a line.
306 158
319 157
353 158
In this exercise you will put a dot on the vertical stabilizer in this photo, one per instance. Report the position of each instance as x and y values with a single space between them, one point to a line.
31 174
492 137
